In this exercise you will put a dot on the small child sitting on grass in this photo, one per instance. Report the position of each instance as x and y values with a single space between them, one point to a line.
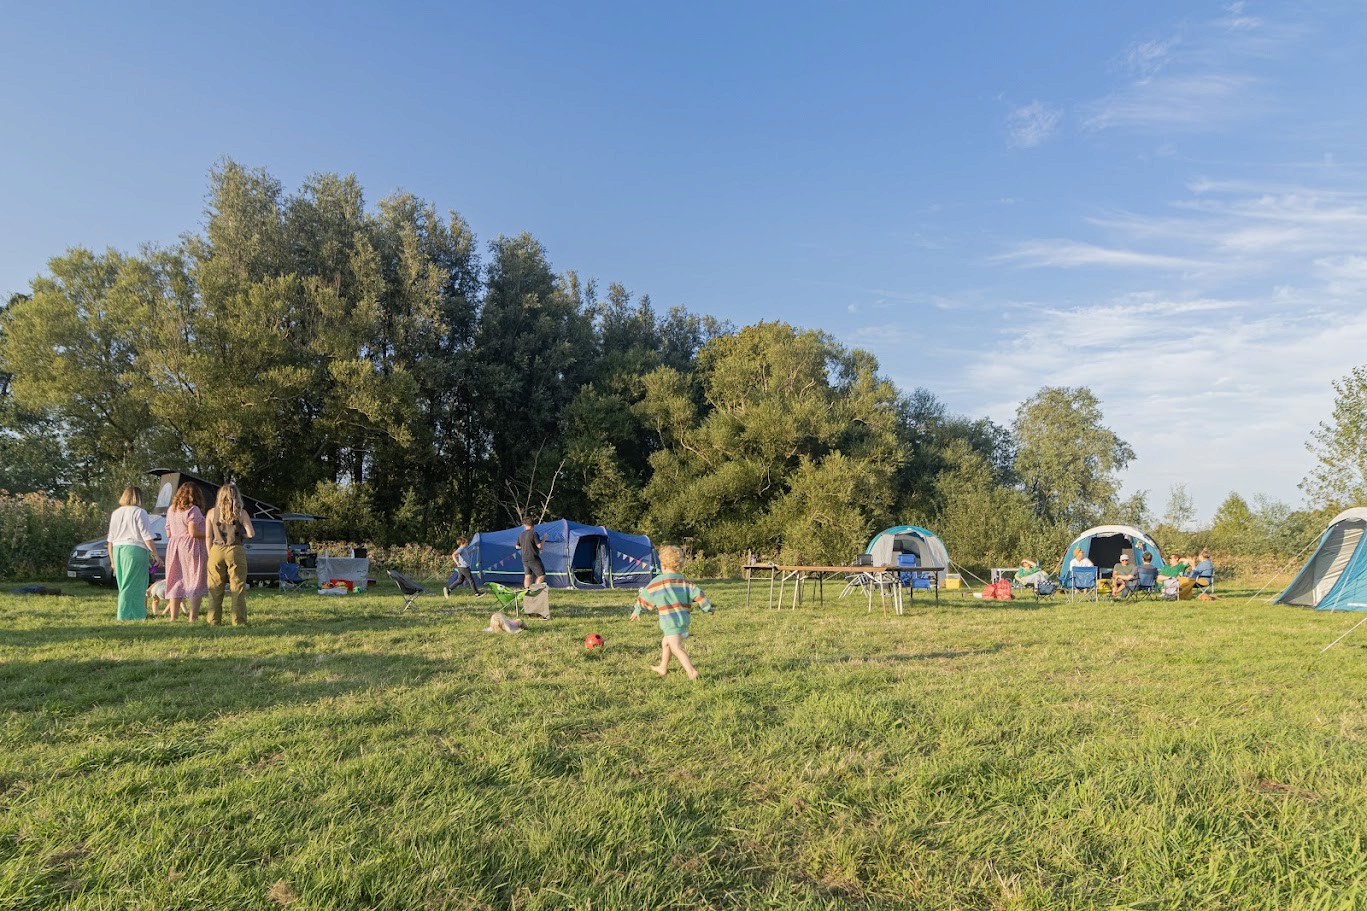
672 595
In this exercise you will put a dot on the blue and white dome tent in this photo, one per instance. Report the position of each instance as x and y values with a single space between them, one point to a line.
1104 544
1335 576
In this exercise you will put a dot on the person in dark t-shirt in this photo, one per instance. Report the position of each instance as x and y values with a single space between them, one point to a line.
530 544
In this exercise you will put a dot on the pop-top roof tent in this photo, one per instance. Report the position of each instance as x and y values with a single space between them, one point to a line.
575 556
909 539
1104 544
1335 577
169 479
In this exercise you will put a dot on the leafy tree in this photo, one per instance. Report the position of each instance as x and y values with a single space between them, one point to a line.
747 438
1339 477
1180 512
74 348
983 523
534 348
1067 459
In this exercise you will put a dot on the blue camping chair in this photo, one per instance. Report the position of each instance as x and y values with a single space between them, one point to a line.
1147 583
915 580
291 577
1082 581
1205 582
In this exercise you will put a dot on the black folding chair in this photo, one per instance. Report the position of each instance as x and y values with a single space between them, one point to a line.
407 587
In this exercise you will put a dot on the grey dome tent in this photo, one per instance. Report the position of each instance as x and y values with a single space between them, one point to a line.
910 539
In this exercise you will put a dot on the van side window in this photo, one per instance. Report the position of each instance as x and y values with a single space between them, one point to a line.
269 533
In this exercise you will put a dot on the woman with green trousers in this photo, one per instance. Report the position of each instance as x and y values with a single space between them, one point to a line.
132 551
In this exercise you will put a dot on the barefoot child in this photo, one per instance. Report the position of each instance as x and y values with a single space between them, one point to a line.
672 595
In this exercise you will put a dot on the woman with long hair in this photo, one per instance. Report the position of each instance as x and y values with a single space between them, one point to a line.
132 551
229 528
186 554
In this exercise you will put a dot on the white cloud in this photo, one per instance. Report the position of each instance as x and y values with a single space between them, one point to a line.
1032 124
1191 103
1072 254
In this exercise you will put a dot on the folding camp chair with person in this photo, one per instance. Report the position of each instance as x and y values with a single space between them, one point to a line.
407 587
534 601
1147 583
1082 582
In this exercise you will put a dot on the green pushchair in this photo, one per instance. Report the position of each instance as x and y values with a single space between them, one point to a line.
534 601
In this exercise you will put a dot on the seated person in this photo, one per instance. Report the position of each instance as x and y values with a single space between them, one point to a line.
1030 575
1080 559
1124 577
1147 572
1199 576
1178 567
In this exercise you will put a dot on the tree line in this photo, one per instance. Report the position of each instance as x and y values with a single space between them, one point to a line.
377 367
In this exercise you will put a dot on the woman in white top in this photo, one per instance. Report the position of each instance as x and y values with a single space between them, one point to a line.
131 550
1079 558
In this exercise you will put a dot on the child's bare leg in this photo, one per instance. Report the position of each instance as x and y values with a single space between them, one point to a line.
663 667
194 608
175 608
675 645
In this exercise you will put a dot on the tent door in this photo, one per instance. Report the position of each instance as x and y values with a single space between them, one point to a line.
589 560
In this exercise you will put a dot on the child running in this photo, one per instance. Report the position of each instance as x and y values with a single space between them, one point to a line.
672 595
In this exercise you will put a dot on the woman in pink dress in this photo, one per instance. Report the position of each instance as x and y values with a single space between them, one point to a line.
186 556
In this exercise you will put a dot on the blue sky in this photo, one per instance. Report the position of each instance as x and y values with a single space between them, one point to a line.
1164 201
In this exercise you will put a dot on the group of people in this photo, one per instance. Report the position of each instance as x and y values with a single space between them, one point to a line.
205 553
1188 573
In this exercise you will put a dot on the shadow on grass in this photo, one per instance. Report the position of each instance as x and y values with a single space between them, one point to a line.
160 688
798 664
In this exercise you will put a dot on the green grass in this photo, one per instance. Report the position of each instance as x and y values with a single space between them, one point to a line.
335 754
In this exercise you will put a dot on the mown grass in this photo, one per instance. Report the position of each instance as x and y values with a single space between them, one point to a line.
336 754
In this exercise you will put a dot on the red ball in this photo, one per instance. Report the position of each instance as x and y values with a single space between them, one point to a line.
592 641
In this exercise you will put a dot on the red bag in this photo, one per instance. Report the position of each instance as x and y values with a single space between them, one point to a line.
990 591
1004 590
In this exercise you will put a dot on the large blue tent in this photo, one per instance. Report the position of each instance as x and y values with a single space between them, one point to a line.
575 556
1335 577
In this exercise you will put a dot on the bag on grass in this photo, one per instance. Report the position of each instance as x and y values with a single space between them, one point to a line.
1004 590
1046 588
990 592
1171 589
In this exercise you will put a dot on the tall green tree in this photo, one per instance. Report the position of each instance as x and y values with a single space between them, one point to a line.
534 348
781 441
1067 458
1339 477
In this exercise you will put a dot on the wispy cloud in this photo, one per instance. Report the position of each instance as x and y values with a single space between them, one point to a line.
1032 124
1066 254
1192 103
1199 78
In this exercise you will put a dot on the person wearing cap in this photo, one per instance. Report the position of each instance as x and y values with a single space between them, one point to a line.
1124 577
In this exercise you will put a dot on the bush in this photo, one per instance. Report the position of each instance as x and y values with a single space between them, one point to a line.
37 533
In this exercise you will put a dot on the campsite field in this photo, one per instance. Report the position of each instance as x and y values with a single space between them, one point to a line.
337 754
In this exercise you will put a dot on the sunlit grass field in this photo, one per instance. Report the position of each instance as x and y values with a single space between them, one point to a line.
338 754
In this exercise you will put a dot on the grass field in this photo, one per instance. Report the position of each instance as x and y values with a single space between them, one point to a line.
335 754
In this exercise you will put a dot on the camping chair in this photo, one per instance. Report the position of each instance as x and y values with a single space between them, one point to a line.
1082 581
1205 583
291 577
407 587
534 601
1147 584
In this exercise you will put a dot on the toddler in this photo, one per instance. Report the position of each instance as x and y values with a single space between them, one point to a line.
672 595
